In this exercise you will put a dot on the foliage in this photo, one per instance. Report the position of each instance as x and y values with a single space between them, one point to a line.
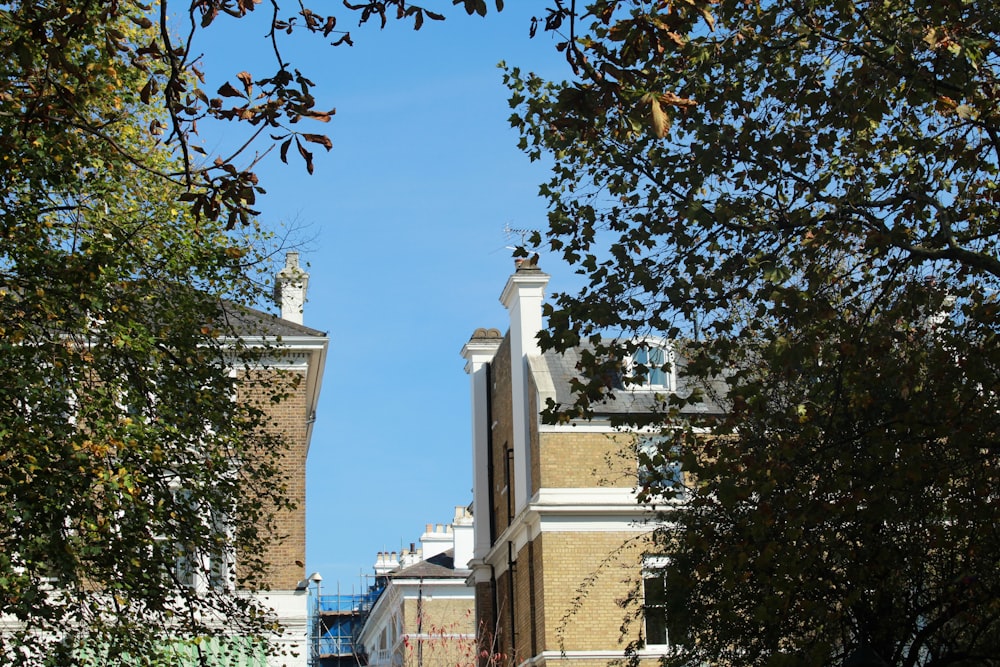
805 193
60 54
127 470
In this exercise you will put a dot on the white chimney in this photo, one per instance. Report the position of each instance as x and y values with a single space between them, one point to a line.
523 296
290 289
462 528
436 540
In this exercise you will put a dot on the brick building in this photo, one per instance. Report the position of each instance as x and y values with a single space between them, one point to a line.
210 569
424 615
559 532
294 350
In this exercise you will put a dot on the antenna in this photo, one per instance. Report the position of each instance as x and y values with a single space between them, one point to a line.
509 234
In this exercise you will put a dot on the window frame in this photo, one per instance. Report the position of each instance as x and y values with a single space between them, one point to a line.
654 569
670 470
642 355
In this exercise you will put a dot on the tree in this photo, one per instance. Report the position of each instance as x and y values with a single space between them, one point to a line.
126 467
804 192
47 80
125 252
124 457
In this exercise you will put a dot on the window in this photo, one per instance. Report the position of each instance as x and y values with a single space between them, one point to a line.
653 364
184 568
211 564
665 623
659 467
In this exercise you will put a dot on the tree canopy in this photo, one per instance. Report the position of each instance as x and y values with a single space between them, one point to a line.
48 80
803 195
127 469
123 456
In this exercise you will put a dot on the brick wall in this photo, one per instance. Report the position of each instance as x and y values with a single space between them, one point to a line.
285 554
533 415
504 629
583 595
563 601
440 632
523 610
487 630
570 459
502 437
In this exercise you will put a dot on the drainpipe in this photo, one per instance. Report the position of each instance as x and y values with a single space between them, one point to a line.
510 593
420 623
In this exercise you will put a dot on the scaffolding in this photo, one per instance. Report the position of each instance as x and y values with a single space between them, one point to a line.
337 621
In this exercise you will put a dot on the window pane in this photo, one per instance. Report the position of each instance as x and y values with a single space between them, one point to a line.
659 465
656 357
654 592
654 610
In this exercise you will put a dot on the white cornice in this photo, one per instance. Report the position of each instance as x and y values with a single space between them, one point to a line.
294 353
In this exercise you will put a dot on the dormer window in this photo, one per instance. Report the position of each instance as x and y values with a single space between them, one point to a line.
652 366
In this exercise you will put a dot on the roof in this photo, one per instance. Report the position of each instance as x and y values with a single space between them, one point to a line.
252 322
554 372
441 566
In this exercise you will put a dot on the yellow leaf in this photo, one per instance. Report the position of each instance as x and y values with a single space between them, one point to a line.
709 19
661 121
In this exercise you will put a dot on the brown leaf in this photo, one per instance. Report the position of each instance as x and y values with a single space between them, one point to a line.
321 139
227 90
147 91
321 116
247 81
306 155
709 19
945 104
284 150
208 17
676 100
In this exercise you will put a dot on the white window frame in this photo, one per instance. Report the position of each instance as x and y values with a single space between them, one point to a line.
642 356
653 570
198 570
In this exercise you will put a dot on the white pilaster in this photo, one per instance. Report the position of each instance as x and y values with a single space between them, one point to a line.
523 296
478 352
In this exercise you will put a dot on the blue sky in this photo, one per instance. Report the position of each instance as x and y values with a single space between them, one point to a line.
403 229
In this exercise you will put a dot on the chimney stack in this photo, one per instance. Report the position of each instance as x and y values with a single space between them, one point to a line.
290 288
523 296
